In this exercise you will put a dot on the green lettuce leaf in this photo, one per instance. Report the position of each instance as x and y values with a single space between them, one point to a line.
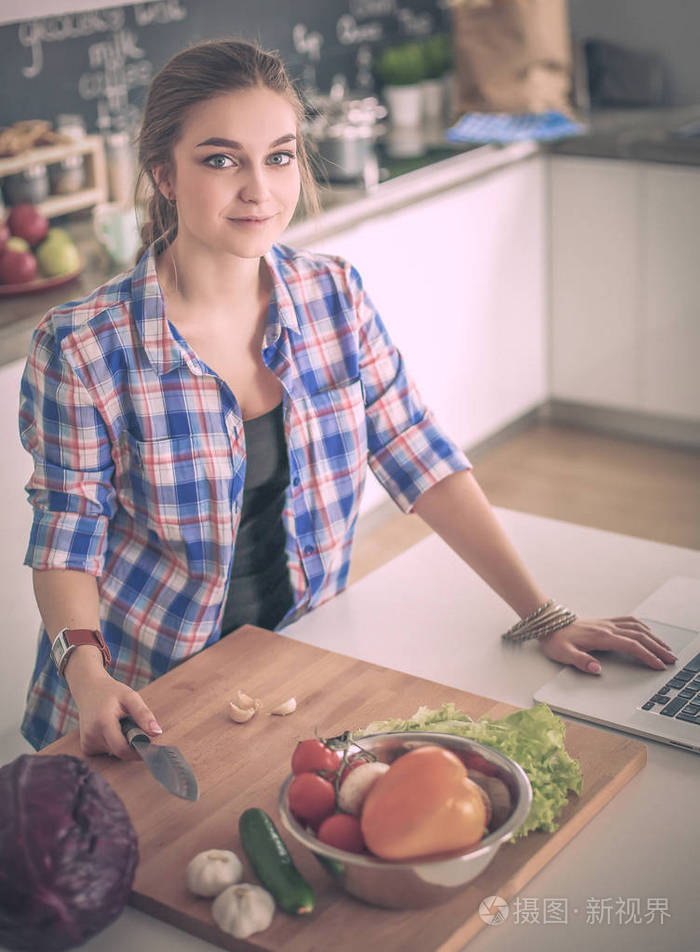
533 737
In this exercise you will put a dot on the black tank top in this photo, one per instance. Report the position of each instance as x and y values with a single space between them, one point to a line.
260 592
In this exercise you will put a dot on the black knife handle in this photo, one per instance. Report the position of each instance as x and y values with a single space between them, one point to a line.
132 731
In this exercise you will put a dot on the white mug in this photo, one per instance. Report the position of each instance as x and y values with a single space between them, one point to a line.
117 229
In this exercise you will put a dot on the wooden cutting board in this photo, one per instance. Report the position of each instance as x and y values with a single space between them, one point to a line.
243 765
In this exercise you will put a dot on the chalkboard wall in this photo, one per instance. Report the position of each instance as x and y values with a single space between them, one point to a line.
98 63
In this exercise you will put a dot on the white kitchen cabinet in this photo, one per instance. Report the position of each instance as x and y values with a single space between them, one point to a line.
625 285
460 281
596 297
671 269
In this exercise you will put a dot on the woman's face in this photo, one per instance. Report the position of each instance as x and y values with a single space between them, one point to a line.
234 174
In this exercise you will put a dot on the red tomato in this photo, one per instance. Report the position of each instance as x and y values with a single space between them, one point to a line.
311 798
310 755
342 831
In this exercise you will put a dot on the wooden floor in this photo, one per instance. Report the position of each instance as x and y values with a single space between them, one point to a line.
568 473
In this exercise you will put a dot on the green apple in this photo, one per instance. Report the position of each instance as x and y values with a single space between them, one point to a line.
57 256
17 244
58 234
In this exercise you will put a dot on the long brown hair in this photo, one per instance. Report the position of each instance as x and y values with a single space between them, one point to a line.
194 75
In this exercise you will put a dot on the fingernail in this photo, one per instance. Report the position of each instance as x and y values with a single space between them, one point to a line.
594 667
155 728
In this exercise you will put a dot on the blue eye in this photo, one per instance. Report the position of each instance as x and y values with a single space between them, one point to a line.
282 158
218 161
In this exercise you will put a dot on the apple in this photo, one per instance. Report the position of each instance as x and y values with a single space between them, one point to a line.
26 221
58 234
17 267
57 256
16 244
4 235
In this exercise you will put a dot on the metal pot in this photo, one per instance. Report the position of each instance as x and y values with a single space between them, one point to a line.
345 151
344 130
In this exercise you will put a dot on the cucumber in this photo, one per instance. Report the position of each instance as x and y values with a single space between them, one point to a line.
272 863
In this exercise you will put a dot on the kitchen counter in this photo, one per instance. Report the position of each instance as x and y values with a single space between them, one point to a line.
342 206
630 134
644 135
425 613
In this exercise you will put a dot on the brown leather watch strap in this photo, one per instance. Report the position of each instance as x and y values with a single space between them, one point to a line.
88 636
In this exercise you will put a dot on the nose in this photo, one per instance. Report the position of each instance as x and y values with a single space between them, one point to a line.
254 187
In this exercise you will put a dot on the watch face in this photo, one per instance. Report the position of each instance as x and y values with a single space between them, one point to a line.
59 650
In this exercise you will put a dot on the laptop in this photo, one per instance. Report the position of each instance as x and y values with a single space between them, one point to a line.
629 696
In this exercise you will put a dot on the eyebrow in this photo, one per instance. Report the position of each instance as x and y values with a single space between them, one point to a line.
232 144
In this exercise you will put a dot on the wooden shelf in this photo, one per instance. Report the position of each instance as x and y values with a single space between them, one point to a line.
96 189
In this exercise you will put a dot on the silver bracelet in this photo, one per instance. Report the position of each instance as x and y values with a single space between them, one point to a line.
542 623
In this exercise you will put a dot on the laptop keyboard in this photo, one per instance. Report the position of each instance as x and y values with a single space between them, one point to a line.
679 697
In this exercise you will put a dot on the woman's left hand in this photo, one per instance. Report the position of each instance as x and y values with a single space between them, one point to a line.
628 635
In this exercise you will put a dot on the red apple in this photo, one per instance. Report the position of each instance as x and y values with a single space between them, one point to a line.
26 221
17 267
5 233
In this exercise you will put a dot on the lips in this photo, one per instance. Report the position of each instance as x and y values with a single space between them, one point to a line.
252 220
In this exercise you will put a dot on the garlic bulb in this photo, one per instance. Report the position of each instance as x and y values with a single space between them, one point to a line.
212 871
243 909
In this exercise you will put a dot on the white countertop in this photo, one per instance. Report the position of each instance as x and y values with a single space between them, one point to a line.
426 613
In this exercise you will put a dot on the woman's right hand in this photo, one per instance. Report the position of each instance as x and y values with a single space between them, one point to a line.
102 702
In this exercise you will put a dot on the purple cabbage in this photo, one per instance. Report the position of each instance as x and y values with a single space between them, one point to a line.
68 853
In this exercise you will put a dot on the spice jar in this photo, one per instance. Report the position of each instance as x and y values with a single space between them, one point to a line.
68 175
30 185
120 167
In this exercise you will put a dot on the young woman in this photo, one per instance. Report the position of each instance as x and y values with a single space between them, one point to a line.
201 425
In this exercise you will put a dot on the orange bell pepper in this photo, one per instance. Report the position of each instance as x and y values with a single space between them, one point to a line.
425 803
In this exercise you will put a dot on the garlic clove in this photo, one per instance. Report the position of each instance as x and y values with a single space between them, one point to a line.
246 701
287 707
240 714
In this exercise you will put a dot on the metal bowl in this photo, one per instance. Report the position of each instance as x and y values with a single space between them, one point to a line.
421 882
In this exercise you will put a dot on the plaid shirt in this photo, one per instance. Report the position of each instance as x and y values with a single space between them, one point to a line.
139 458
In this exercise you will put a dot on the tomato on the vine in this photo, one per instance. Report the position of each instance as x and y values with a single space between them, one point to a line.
342 831
311 755
311 798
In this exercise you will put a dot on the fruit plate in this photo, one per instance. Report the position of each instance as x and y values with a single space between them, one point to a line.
40 284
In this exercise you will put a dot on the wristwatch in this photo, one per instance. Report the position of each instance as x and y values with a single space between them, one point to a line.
68 639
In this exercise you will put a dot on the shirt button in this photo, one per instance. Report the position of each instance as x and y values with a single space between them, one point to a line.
308 549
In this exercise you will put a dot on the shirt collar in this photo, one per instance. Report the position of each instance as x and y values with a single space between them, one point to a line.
163 349
282 310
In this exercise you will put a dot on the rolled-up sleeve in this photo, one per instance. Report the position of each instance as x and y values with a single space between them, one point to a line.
408 451
71 487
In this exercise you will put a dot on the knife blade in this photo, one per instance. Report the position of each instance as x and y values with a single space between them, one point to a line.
167 764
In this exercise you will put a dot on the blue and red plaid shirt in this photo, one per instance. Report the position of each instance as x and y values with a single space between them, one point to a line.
139 458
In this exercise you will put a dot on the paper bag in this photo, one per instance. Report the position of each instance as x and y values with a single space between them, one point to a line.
512 55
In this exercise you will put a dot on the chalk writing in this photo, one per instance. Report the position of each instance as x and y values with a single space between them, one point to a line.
350 32
118 65
306 42
415 24
34 33
163 11
362 9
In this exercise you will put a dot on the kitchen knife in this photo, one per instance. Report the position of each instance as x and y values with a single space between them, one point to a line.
166 764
